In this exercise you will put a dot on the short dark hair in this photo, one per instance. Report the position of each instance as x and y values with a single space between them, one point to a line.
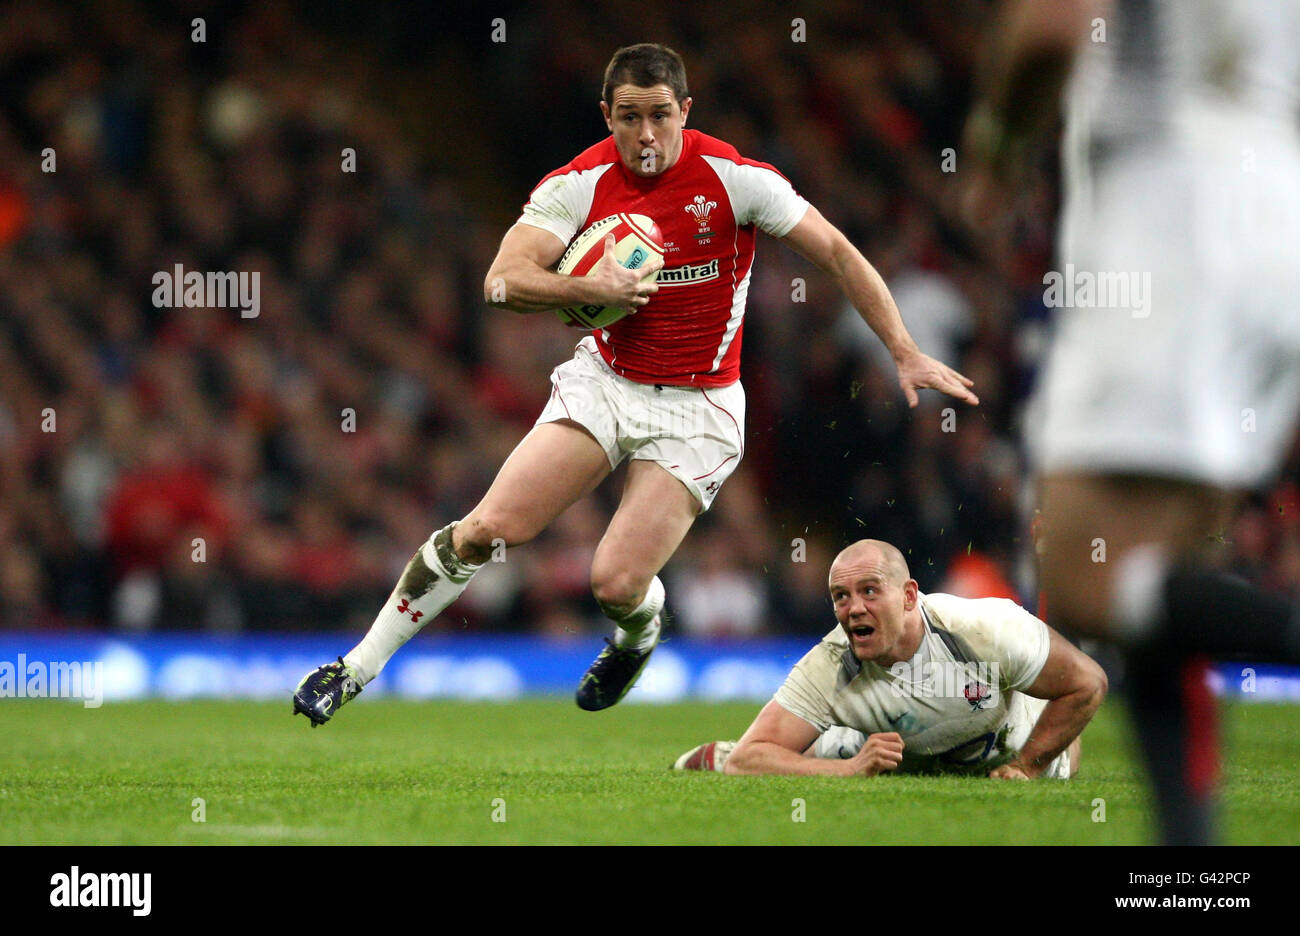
645 65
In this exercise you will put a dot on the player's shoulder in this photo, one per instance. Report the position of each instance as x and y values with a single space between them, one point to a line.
829 650
991 630
957 609
827 664
600 155
836 640
701 144
833 651
984 622
720 151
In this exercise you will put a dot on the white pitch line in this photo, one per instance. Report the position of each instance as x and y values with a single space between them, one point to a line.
265 831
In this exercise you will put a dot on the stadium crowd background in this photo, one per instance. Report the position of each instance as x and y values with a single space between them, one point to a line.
172 424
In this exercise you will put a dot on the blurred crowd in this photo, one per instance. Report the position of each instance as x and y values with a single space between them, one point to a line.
191 468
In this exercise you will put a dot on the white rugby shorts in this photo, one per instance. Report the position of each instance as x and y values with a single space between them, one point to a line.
696 434
1199 381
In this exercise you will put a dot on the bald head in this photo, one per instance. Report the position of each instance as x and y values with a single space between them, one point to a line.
876 602
875 552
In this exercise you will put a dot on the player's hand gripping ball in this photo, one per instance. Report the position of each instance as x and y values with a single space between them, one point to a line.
637 241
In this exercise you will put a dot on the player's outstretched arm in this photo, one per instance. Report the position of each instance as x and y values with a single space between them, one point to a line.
1074 685
825 245
520 278
775 742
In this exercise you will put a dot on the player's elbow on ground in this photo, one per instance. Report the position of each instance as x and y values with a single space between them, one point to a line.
737 762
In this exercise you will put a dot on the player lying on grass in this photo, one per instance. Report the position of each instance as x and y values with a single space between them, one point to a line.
919 683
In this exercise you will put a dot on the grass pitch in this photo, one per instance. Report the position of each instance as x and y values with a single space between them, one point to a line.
439 772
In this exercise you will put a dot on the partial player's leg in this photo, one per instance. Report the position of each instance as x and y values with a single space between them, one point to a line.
652 518
1093 525
1122 560
556 464
553 466
1095 531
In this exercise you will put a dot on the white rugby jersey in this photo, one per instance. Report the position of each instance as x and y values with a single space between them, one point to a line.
957 703
709 206
1207 78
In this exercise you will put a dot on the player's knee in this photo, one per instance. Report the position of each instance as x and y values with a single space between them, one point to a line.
617 591
482 532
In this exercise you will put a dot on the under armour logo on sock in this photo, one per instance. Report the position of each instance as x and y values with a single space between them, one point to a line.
405 608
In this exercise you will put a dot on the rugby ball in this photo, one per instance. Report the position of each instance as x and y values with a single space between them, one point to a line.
637 241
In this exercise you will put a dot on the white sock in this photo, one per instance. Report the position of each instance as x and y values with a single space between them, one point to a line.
433 579
640 629
1136 592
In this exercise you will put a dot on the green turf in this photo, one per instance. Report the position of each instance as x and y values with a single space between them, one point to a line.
388 771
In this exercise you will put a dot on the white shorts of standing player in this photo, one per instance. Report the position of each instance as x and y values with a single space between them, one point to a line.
1195 373
696 434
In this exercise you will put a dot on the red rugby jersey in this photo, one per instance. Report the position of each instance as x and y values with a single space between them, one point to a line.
708 205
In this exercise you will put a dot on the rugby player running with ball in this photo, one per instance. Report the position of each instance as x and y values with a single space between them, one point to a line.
660 387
